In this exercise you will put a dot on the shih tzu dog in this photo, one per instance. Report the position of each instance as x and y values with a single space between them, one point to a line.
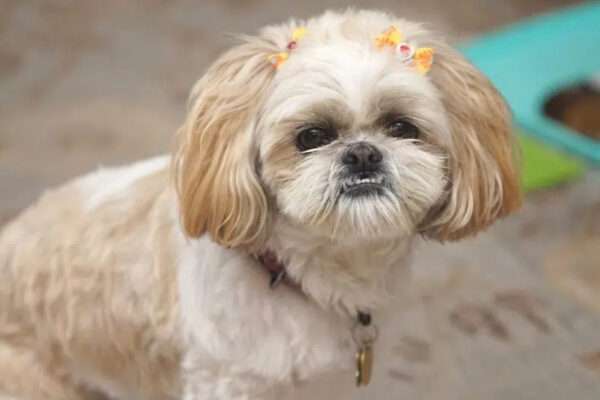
265 259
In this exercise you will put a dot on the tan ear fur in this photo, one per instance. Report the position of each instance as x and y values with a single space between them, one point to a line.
218 188
483 169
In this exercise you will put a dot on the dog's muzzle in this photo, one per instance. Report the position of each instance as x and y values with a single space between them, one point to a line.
363 173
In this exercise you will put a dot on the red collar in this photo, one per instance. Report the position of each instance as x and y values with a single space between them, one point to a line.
276 270
274 267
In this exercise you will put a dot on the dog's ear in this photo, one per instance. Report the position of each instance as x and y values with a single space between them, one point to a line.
219 191
483 169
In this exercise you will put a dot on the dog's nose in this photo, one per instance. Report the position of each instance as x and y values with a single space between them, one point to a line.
362 157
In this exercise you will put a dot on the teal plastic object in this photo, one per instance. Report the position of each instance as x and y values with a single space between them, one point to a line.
532 60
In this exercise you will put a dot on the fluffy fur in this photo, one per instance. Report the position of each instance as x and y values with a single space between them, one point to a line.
140 283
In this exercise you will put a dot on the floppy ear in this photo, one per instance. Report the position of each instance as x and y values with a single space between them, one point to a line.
218 188
482 166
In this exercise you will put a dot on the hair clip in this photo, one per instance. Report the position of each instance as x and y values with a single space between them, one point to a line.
421 58
278 59
390 37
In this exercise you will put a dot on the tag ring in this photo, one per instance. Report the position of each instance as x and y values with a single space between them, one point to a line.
364 335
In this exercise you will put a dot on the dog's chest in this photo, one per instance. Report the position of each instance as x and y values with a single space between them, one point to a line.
233 317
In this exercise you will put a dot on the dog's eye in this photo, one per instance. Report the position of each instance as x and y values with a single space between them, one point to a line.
313 137
403 129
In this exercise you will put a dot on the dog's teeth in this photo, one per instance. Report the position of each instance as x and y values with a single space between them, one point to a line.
354 181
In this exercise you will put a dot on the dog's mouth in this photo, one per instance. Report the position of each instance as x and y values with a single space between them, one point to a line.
358 186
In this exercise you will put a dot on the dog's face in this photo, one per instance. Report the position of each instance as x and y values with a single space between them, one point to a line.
352 141
345 139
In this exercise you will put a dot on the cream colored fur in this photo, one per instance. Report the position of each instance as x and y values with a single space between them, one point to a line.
141 283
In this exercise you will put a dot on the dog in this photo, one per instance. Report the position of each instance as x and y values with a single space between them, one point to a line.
265 258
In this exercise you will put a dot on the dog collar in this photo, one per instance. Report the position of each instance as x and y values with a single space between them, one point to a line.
275 268
364 332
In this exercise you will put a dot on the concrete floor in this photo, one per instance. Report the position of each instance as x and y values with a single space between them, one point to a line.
512 314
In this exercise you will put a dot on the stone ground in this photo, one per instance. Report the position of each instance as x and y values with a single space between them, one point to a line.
512 314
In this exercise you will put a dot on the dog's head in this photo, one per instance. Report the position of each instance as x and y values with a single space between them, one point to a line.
343 132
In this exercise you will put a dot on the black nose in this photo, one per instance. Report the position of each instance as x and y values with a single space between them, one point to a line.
362 157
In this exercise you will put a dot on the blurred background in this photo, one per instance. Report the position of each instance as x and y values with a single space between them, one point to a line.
512 314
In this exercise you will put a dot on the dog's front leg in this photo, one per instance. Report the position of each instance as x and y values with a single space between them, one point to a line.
213 386
207 379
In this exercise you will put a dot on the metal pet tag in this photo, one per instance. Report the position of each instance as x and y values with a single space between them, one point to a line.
364 365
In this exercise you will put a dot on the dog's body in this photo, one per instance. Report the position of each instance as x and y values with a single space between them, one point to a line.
133 285
109 244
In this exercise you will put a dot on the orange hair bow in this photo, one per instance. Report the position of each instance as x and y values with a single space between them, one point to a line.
421 58
278 59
